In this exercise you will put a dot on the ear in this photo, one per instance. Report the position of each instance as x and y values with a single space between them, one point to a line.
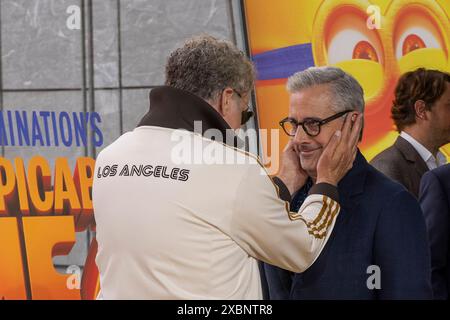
421 110
225 101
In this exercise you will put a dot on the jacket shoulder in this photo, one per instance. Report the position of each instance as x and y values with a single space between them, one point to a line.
390 162
387 156
389 196
382 183
441 174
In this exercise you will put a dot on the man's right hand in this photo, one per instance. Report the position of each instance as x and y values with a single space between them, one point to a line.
338 156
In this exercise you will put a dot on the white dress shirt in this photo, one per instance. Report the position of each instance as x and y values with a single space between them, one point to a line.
431 161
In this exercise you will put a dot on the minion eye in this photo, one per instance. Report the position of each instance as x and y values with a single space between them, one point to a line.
415 31
348 38
411 43
364 50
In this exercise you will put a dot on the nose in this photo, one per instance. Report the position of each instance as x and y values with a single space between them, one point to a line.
301 136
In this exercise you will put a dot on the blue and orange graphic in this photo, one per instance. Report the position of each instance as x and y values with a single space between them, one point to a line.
291 35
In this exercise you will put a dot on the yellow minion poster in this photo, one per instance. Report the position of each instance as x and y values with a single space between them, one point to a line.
376 41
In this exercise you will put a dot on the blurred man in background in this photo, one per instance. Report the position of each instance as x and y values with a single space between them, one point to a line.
421 112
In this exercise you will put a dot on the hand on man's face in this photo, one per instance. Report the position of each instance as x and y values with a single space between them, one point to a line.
339 154
335 161
291 172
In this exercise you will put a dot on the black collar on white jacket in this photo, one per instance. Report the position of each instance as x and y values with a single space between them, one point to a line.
178 109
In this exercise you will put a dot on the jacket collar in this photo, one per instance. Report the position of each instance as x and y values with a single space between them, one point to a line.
353 182
178 109
410 154
351 188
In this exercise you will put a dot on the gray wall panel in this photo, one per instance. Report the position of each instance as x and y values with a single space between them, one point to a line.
38 51
151 29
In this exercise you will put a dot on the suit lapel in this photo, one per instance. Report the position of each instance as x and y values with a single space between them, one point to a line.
411 155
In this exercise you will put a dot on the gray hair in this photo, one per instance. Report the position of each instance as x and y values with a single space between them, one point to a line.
205 66
347 92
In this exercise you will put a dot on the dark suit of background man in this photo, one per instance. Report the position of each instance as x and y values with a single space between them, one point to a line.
380 224
421 112
435 202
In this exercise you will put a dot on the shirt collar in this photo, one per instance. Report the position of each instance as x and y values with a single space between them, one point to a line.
431 161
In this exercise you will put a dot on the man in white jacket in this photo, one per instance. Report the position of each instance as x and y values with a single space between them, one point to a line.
171 227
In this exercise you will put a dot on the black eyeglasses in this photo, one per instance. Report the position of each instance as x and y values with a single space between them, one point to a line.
310 125
246 114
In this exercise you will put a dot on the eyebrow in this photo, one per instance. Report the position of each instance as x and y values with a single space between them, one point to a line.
305 119
312 118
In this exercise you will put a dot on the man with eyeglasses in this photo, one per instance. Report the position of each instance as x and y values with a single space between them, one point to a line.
378 248
186 230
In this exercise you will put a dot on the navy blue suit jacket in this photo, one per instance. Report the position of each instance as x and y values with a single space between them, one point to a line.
380 223
435 201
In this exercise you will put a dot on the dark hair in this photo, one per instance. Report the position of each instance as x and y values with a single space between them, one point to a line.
205 66
421 84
